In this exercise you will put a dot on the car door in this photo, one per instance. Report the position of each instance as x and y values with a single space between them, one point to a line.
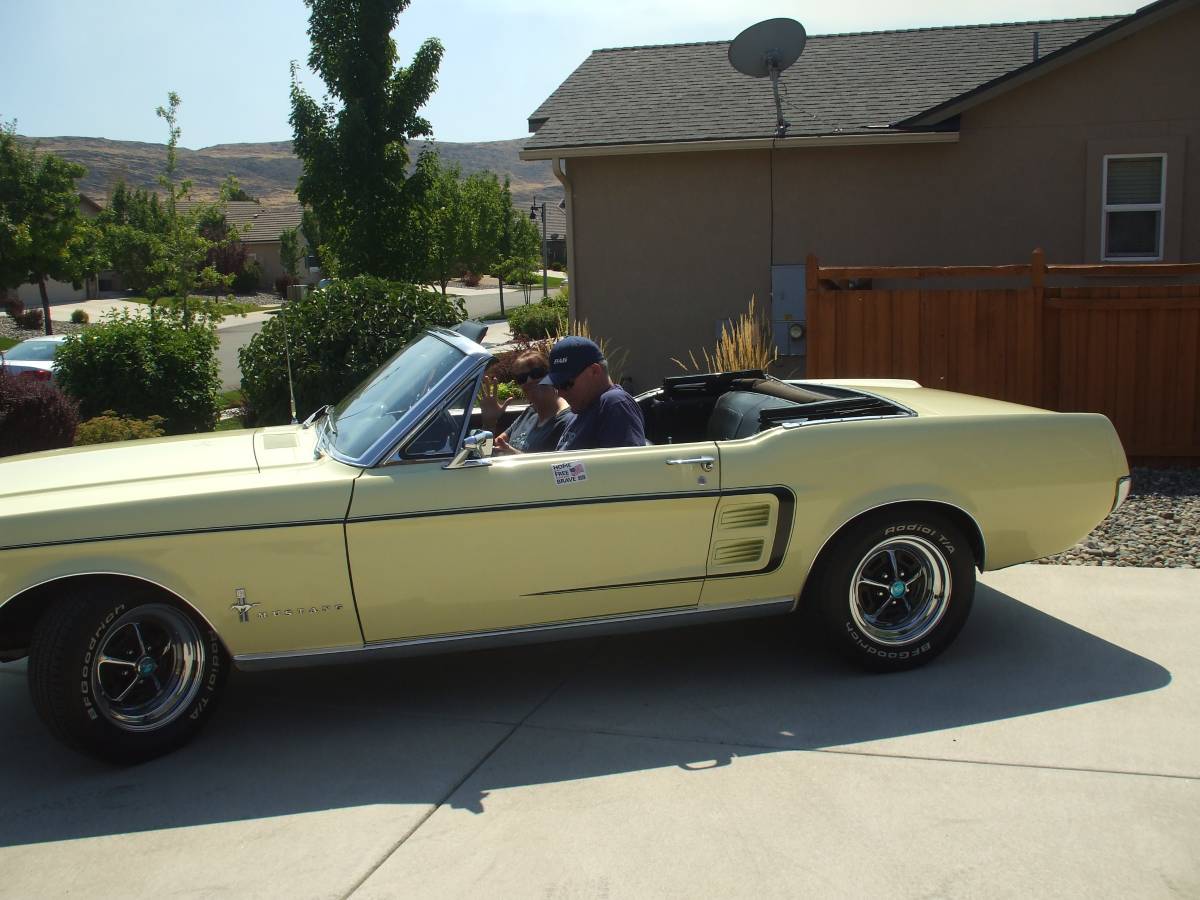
529 540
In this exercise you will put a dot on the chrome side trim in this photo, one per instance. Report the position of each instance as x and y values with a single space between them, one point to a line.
509 637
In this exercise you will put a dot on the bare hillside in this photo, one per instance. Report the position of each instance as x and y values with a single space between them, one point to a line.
269 171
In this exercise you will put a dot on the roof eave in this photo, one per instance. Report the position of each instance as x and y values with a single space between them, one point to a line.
814 142
1147 15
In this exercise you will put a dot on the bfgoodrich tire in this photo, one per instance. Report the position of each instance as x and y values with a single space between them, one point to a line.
896 590
123 674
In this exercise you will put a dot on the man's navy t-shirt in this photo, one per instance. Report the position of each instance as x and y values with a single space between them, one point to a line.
613 420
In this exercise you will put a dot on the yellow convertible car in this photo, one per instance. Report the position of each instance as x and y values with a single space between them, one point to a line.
133 575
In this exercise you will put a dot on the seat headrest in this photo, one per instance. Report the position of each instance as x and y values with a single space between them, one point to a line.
735 414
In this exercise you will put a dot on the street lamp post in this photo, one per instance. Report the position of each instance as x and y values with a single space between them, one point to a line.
533 214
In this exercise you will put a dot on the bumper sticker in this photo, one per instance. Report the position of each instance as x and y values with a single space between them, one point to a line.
569 472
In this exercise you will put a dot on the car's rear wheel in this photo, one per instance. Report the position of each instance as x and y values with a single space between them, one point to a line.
895 590
124 674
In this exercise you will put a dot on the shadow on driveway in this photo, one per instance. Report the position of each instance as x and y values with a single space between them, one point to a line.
411 732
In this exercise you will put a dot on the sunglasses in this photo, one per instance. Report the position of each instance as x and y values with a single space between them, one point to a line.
536 374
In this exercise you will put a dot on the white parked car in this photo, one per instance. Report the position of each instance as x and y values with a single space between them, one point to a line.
33 358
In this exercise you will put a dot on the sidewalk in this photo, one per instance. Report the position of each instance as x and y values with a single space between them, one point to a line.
1051 752
96 309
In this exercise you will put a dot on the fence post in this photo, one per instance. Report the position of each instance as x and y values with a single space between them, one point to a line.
811 281
1048 342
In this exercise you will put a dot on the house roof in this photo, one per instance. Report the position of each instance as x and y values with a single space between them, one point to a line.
844 85
556 220
262 223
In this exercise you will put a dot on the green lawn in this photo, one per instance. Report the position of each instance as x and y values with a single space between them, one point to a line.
5 343
231 399
221 307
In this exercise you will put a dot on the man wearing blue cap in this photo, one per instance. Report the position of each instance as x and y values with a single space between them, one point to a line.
605 415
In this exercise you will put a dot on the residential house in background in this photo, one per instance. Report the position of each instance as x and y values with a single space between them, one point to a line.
260 227
935 146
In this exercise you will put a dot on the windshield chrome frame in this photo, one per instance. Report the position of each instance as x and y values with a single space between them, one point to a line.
475 357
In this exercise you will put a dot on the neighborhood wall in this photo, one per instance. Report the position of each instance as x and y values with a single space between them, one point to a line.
59 292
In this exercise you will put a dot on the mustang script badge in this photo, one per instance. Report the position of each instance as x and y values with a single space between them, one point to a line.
243 608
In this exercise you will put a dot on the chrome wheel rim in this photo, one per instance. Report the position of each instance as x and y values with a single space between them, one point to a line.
148 668
900 591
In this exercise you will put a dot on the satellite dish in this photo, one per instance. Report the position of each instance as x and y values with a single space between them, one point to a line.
766 49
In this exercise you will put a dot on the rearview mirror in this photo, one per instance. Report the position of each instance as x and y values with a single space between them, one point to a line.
476 451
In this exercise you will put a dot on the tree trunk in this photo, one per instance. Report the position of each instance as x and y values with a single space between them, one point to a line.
45 305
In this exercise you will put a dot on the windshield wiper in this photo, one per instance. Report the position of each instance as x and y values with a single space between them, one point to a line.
323 411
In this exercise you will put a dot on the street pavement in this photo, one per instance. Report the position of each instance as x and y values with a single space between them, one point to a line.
1051 752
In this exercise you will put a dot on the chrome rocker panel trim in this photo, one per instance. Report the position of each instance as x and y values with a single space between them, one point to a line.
510 637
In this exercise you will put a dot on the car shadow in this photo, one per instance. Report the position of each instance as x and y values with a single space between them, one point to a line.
409 732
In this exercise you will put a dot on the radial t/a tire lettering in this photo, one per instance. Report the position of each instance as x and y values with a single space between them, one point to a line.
895 590
123 674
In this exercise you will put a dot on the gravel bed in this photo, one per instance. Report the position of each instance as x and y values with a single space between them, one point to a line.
1157 527
9 329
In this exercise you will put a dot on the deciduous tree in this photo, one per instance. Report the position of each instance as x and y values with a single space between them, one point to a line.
354 145
40 219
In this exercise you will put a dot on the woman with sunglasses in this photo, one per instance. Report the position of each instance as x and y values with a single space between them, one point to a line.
538 429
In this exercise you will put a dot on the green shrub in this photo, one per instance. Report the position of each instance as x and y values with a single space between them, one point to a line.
337 335
30 320
34 415
108 427
539 320
248 280
283 282
80 317
141 367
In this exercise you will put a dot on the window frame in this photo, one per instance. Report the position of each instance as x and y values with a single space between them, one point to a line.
1160 208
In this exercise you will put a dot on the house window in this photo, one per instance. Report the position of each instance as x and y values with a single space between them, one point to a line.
1133 208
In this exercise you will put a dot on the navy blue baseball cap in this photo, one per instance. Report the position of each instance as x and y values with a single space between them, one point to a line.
569 357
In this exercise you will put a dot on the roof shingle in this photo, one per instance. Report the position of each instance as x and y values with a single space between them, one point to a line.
842 84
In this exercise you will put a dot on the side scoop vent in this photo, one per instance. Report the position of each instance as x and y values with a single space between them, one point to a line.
737 553
756 516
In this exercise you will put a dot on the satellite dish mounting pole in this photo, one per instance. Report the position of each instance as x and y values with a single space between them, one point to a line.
781 124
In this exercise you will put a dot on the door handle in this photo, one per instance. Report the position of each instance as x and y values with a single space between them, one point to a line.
704 462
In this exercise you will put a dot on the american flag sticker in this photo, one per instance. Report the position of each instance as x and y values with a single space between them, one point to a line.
569 472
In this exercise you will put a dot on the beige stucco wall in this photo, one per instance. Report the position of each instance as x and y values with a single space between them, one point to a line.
267 255
665 248
667 245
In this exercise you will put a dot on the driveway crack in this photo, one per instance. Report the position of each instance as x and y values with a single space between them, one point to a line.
467 777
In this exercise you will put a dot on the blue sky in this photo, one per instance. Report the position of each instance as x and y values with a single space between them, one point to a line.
99 69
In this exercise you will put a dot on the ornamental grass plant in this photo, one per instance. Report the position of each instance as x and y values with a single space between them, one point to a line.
745 343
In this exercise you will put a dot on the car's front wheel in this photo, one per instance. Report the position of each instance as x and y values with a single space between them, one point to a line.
895 590
122 674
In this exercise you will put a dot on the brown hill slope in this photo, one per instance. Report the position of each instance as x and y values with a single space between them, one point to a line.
269 171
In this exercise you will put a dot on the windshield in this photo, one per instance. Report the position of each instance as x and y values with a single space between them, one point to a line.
381 401
33 351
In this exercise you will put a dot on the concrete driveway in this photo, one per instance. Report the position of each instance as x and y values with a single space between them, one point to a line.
1052 752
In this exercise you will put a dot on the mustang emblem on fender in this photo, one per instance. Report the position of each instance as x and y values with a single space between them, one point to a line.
243 608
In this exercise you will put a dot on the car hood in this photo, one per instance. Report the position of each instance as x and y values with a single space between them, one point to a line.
123 462
223 479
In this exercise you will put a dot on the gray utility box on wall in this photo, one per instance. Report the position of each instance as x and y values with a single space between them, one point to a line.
789 314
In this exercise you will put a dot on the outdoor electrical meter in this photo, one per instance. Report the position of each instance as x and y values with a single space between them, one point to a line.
789 317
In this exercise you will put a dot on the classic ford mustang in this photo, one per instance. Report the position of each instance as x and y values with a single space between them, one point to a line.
133 575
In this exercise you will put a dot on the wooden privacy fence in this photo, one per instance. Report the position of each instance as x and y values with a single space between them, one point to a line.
1131 352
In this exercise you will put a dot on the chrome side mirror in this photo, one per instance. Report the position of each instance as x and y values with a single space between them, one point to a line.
476 451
